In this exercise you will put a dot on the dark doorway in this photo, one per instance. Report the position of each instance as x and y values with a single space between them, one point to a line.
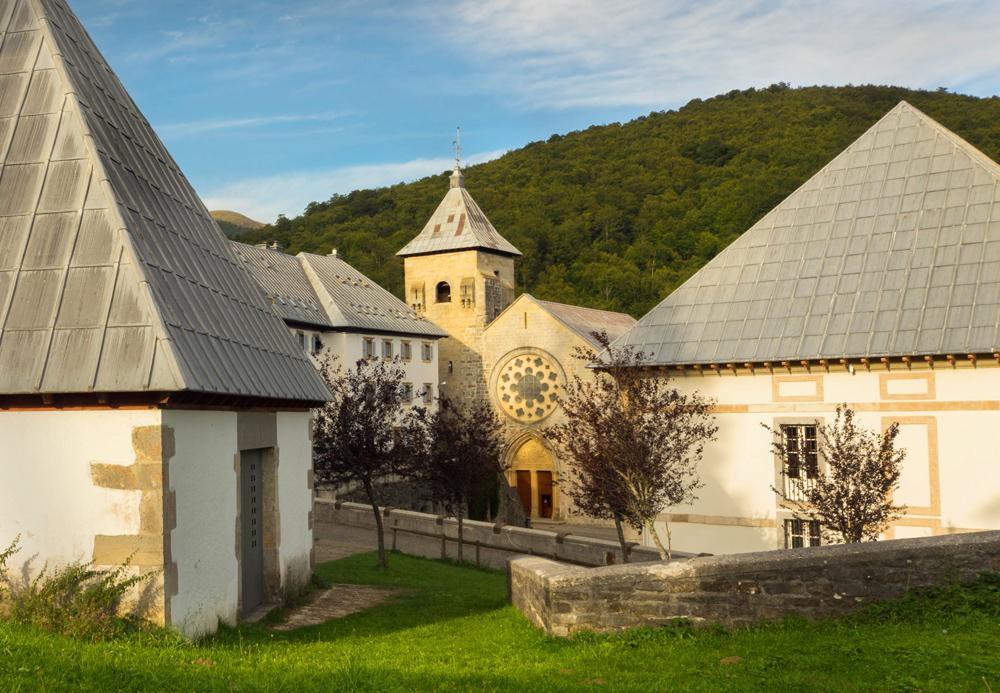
544 493
251 529
524 490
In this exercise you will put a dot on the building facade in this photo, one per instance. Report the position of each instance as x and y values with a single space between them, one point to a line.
334 311
876 285
516 354
153 410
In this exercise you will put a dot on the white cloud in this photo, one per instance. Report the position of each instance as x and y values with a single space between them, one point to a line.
586 53
288 193
199 127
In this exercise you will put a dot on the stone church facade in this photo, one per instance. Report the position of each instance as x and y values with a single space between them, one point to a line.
516 354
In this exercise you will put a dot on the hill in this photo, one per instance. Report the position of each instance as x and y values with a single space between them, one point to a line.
617 216
234 224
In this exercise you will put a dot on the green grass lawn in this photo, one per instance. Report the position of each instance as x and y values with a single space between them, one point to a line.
452 630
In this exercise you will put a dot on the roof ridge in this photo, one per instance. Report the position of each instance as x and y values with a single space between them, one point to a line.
960 142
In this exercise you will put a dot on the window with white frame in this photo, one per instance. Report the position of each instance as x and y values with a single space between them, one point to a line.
800 533
428 393
427 351
317 345
387 348
405 350
368 348
302 340
407 392
801 463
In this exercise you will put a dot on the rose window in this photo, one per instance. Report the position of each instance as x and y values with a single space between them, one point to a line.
528 387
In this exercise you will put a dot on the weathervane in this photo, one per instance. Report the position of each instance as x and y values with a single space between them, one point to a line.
457 143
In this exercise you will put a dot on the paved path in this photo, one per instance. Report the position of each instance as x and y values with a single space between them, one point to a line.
339 600
336 602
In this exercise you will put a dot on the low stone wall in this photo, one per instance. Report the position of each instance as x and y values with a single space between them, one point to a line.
486 544
739 589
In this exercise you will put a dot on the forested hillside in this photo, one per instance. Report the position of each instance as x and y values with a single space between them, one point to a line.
617 216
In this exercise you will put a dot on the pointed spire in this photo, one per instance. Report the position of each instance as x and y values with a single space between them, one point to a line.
457 179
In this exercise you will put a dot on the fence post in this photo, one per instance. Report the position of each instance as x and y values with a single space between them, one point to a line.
444 538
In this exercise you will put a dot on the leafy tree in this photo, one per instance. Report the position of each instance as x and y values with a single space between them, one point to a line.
632 443
367 431
852 497
463 458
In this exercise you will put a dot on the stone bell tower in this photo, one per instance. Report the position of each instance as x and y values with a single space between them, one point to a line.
459 273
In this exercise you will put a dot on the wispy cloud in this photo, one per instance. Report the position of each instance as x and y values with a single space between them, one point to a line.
586 53
288 193
200 127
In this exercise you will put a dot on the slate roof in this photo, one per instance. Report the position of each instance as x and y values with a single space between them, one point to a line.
892 249
113 276
353 301
286 287
458 224
586 321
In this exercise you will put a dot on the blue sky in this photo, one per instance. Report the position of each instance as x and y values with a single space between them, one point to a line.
270 105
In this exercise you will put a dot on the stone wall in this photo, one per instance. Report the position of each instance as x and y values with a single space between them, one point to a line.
486 544
739 589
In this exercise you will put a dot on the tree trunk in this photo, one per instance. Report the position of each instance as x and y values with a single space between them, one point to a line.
621 538
383 561
665 553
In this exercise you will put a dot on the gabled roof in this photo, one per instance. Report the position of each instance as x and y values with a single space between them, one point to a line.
458 224
582 321
353 301
286 287
892 249
586 321
113 276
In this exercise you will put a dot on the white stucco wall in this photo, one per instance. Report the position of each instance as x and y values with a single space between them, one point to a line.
950 418
203 544
46 492
294 497
49 498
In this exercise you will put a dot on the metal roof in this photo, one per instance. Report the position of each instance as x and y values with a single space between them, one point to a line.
586 321
285 285
458 224
353 301
113 276
892 249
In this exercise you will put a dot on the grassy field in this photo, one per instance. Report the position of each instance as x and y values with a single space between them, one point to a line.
452 630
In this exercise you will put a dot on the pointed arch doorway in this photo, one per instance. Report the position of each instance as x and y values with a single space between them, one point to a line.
533 476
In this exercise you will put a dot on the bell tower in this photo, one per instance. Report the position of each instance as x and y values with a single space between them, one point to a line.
459 273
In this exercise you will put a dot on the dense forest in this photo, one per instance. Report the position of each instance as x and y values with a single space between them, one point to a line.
616 216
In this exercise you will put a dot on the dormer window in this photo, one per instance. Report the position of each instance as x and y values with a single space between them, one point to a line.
443 293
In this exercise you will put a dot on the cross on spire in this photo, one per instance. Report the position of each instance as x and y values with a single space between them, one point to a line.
457 180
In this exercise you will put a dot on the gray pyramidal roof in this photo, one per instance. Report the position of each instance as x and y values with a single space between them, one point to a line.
892 249
458 224
113 276
327 293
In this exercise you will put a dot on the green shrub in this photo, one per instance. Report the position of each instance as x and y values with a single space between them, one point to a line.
77 599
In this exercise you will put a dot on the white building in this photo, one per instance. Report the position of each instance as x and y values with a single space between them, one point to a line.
875 284
332 309
153 409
